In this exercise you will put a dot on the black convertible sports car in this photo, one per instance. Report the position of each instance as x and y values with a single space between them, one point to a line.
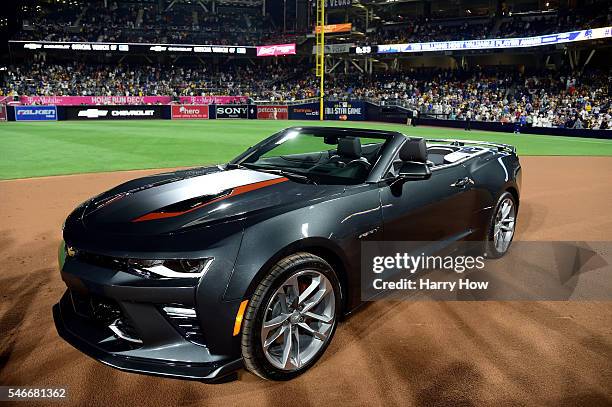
199 272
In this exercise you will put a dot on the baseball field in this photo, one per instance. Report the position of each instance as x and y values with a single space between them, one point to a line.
42 149
389 353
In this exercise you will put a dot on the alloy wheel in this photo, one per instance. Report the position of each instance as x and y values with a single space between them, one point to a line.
505 220
298 321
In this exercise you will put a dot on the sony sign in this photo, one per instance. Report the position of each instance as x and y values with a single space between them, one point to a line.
232 111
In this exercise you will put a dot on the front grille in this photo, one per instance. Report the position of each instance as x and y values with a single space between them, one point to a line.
99 260
94 307
105 312
112 263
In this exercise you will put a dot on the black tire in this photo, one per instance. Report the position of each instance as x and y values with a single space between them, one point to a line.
252 351
490 249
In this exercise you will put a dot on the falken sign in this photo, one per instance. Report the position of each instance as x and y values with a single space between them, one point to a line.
35 113
498 43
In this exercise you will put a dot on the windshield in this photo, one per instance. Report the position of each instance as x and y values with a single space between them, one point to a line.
321 158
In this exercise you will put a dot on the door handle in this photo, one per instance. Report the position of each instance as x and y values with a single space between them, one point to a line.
462 182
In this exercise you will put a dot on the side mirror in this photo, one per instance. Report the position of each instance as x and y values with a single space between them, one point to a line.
414 171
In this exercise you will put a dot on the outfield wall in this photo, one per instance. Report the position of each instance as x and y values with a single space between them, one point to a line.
355 110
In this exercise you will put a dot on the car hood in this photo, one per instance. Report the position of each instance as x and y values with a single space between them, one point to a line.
181 200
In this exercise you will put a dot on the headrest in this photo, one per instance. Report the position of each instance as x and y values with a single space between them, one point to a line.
414 149
349 147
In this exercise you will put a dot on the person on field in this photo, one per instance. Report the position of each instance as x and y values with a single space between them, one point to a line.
519 123
468 120
578 124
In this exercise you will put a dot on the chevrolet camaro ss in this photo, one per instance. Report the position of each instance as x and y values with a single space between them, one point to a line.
197 273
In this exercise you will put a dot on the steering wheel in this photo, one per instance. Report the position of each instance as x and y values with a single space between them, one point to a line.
360 161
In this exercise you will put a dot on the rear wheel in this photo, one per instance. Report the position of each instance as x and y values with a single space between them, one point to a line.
502 226
291 317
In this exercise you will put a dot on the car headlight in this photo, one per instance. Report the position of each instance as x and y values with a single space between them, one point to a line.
173 268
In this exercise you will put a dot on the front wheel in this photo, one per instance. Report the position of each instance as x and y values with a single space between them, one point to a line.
291 317
502 226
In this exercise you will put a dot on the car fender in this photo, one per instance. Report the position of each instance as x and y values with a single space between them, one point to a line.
327 228
493 175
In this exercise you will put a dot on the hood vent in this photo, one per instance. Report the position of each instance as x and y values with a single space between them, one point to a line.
183 207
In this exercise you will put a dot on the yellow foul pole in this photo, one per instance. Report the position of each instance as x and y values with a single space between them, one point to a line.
320 66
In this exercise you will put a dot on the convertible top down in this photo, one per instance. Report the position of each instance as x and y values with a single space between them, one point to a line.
196 273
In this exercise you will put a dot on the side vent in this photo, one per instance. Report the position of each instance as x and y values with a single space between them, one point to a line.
185 320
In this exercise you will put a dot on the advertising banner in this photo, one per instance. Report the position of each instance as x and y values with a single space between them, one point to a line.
190 112
498 43
35 113
199 49
2 112
335 28
338 3
273 112
94 100
130 48
235 112
306 111
275 50
335 48
119 112
213 100
346 110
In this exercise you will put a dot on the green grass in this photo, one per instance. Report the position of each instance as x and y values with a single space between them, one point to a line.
40 149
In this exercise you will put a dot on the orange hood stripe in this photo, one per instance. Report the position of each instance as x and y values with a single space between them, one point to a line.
236 191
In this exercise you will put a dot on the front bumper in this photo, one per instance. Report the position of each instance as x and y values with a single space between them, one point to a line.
212 372
155 344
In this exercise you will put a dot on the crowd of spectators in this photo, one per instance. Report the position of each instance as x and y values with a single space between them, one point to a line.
547 23
557 99
425 30
476 28
128 22
81 79
543 99
190 23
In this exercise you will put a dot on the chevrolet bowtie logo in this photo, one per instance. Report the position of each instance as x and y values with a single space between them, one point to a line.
93 113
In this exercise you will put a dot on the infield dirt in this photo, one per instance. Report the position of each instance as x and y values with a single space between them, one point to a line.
389 353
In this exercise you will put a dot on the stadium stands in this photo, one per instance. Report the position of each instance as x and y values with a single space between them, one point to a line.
556 90
506 26
499 95
189 23
143 22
